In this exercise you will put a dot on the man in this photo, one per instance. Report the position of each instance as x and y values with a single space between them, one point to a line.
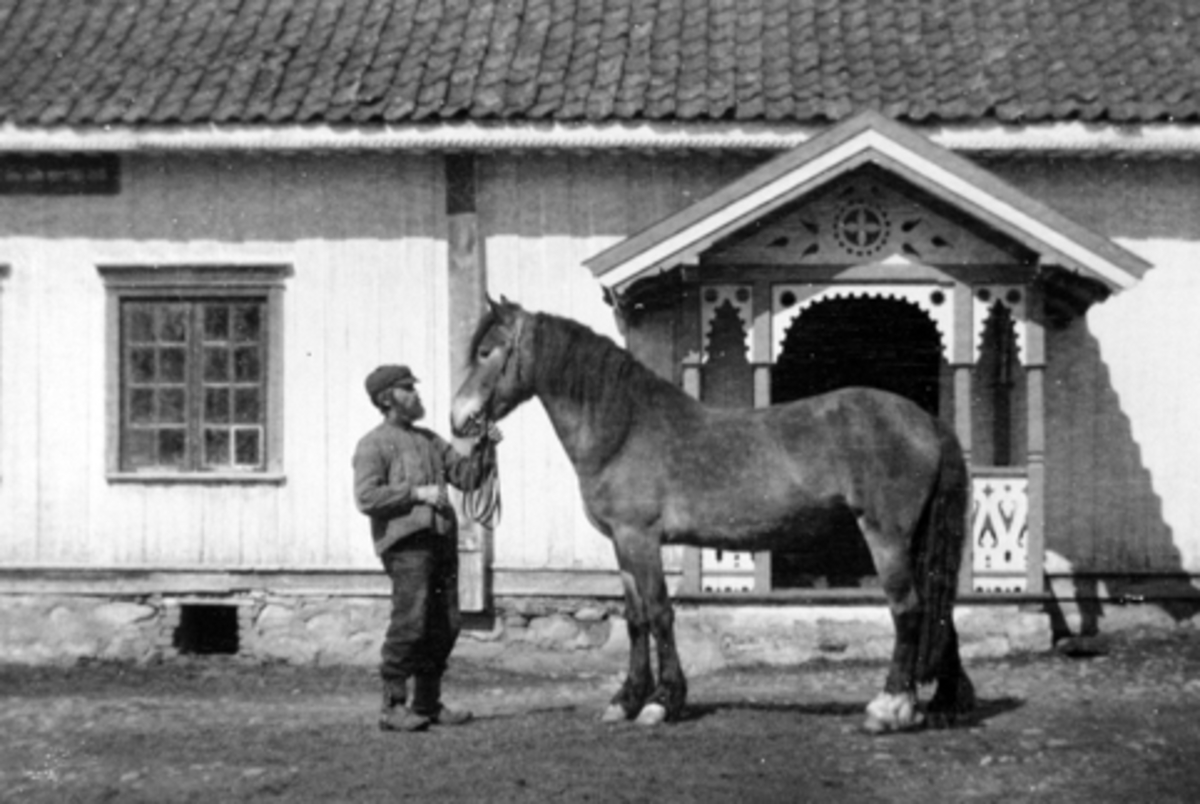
400 477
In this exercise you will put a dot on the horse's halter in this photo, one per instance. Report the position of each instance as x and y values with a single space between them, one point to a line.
482 503
512 347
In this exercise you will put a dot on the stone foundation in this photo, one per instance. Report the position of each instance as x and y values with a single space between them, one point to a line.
546 635
542 635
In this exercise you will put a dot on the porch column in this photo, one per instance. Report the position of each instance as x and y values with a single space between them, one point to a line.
1035 375
962 362
468 294
760 358
691 335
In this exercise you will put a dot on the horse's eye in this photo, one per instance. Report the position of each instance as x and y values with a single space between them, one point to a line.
483 353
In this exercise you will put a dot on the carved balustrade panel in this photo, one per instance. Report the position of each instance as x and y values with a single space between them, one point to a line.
999 532
726 571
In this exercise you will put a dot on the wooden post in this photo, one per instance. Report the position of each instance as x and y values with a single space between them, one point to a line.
1035 376
760 356
690 361
962 361
468 295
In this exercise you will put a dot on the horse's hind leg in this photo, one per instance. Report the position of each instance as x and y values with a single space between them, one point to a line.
895 709
648 610
955 694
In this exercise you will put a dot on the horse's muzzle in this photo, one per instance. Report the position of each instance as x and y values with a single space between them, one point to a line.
467 420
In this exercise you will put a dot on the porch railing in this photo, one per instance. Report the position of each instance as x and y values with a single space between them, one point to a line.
726 571
999 548
999 529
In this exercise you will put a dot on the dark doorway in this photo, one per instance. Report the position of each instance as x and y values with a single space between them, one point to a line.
879 343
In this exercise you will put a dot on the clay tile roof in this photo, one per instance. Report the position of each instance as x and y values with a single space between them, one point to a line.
166 62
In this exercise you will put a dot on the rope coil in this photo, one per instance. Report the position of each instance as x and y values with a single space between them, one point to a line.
482 501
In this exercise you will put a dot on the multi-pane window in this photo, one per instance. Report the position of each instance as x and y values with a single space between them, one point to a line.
194 385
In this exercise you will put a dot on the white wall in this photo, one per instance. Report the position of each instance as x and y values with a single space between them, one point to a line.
363 236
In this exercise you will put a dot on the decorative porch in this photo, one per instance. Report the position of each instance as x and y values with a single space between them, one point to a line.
873 220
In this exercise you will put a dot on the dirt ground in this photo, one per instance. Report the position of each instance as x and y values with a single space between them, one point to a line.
1111 721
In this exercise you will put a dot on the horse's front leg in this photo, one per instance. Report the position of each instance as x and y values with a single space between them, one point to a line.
648 612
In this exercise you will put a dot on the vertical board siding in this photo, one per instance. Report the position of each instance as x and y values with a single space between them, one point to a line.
1122 491
19 340
542 216
363 237
1149 339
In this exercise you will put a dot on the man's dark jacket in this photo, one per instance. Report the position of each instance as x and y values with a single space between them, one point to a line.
390 462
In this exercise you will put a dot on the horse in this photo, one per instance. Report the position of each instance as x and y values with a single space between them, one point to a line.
657 467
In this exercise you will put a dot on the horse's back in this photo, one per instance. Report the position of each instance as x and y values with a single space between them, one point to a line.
855 424
753 474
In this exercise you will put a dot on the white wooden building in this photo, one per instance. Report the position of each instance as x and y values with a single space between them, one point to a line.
215 219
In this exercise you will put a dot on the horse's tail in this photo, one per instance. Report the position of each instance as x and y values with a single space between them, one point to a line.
937 554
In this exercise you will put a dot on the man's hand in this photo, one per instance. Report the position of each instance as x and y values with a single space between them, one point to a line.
493 434
433 495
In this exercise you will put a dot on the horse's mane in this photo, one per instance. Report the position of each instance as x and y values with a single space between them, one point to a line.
577 362
574 361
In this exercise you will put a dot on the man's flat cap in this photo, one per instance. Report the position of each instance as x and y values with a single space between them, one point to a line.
385 377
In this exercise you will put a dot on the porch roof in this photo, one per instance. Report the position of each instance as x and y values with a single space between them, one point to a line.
868 138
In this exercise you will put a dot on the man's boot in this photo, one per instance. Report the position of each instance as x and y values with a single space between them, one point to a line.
395 716
427 702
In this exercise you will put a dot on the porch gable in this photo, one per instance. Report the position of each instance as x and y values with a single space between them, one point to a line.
868 139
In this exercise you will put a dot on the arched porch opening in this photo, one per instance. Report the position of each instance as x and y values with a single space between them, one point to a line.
887 344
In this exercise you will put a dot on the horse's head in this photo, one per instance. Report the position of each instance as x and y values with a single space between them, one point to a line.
496 381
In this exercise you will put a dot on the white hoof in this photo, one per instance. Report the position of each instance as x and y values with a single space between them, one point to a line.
893 713
652 714
615 713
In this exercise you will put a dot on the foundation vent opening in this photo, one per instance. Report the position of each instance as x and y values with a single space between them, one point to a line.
207 630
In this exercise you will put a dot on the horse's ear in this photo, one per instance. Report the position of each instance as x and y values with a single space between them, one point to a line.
508 306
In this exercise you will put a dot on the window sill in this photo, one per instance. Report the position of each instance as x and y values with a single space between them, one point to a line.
199 478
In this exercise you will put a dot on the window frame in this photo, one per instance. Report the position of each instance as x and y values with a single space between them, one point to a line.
192 283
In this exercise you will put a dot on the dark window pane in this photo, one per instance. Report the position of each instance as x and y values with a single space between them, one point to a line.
216 365
139 448
246 406
172 405
246 365
140 323
172 365
216 447
246 443
173 323
246 322
216 405
216 322
182 395
141 406
141 365
171 447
